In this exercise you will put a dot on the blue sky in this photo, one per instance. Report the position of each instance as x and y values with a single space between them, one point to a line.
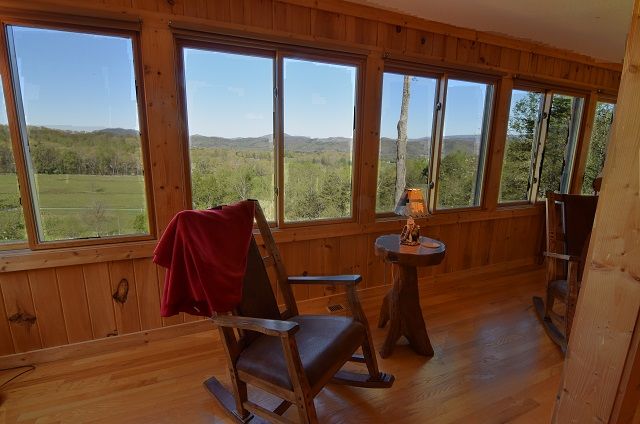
86 81
76 80
230 95
464 113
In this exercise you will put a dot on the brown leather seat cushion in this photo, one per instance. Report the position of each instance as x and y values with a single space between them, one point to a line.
323 341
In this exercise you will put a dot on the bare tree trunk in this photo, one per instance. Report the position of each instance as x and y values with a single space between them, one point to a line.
401 145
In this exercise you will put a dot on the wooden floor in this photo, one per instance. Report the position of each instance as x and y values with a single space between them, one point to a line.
492 364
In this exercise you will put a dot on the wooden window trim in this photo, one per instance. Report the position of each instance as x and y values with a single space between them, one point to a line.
125 29
279 52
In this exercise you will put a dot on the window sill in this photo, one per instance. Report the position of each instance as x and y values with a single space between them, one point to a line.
25 259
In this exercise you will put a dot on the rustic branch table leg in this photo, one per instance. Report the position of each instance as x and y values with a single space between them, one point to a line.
384 311
391 312
411 313
405 313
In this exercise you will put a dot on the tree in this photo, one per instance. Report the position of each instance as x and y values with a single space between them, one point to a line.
401 145
598 145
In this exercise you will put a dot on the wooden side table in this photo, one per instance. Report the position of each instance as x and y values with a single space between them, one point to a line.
401 305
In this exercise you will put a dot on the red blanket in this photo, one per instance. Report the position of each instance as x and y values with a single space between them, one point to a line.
205 253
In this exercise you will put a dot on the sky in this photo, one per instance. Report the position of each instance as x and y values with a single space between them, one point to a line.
463 115
86 82
76 80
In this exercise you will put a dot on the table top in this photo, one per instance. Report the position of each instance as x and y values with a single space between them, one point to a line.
428 252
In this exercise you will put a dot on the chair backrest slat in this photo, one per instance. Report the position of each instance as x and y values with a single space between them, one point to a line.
281 272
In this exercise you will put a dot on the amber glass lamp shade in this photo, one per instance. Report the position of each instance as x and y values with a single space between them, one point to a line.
411 203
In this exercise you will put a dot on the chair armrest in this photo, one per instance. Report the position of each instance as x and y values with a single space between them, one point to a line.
560 256
331 280
270 327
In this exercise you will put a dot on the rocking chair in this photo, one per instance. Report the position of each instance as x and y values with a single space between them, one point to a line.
569 222
285 354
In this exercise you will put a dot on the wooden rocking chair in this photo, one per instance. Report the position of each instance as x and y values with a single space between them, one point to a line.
288 355
569 222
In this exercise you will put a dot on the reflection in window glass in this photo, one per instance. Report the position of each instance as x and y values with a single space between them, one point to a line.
598 144
464 143
522 133
230 118
559 149
319 113
407 133
78 93
11 218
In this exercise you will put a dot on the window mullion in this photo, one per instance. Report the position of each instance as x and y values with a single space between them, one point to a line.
486 129
436 141
543 127
279 135
15 118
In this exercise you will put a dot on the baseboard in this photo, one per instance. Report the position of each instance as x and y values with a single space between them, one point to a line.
102 345
118 342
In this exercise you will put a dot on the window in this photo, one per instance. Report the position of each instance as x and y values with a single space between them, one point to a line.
522 137
540 149
76 97
432 141
319 121
12 227
560 144
270 125
598 144
462 154
230 116
407 115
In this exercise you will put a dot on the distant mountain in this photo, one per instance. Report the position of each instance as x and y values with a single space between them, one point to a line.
295 143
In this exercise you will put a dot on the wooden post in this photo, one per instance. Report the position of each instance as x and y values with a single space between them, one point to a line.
602 368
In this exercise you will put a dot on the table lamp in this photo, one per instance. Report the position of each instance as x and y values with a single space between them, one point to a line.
412 205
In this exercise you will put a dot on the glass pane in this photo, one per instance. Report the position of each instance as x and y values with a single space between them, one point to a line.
414 127
78 92
230 119
462 155
319 106
562 133
12 227
522 134
598 145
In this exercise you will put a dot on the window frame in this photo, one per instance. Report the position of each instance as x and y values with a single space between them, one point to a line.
400 68
279 52
19 139
486 132
539 142
442 75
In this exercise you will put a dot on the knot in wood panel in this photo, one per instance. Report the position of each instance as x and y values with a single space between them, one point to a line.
23 318
122 291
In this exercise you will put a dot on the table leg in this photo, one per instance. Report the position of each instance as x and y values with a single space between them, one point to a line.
401 307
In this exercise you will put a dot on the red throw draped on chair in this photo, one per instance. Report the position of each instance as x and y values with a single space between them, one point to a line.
205 253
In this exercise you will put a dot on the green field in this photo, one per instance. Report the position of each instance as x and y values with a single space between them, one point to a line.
79 205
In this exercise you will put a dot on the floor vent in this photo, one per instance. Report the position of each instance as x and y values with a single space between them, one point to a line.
335 308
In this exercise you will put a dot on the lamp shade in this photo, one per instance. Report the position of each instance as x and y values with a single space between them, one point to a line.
411 203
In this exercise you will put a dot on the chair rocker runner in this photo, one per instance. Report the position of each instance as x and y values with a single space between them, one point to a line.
285 354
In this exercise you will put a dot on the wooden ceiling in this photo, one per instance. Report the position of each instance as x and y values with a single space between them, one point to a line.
595 28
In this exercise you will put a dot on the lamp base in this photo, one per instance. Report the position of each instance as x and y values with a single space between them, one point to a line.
410 235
